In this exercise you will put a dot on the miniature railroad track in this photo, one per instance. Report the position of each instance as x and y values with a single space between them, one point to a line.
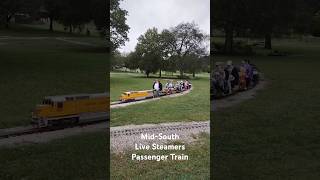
20 131
161 128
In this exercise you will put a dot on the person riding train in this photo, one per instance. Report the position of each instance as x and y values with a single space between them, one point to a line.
169 87
157 88
231 76
227 79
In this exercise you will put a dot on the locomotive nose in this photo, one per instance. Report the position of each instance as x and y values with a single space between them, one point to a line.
36 111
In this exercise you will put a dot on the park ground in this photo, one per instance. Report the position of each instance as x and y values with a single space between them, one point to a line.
34 64
275 135
32 68
197 167
194 106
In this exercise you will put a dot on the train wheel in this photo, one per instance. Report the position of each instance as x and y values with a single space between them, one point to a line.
42 123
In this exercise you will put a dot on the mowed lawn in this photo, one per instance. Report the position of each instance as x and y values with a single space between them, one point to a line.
194 106
78 157
32 67
275 135
197 167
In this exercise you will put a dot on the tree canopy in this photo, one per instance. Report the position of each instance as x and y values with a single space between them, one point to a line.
178 48
118 27
266 18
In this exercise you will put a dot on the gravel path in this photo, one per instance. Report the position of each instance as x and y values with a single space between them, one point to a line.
124 138
237 98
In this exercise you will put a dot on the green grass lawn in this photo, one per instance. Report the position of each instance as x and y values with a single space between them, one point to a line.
77 157
275 135
194 106
33 68
197 167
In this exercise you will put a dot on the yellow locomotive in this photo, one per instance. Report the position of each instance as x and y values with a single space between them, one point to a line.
76 108
136 95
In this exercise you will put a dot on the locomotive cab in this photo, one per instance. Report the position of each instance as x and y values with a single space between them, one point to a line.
45 110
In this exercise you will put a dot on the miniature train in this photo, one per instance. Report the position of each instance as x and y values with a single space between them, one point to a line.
228 80
71 109
146 94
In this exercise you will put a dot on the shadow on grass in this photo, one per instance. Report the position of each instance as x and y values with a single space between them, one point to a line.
86 49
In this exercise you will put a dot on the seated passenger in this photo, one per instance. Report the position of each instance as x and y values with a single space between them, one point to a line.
242 78
170 87
249 73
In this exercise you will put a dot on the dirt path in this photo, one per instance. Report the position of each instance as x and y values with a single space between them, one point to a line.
148 100
237 98
124 138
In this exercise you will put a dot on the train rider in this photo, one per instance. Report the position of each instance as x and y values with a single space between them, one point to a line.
229 78
156 88
233 71
249 72
189 84
179 87
182 85
255 73
169 86
186 86
160 86
220 77
242 77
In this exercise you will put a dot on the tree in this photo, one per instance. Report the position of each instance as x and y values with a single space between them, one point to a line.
117 60
150 51
229 15
9 8
264 18
183 40
315 26
75 13
305 16
99 16
271 17
118 27
132 60
53 9
193 64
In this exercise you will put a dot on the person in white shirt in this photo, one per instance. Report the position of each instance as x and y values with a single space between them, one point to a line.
156 88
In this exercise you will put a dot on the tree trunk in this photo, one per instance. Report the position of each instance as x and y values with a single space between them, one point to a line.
8 18
70 28
51 23
181 73
228 44
193 74
160 73
267 41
